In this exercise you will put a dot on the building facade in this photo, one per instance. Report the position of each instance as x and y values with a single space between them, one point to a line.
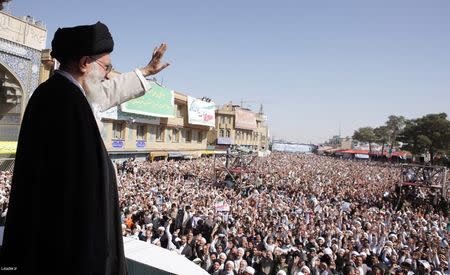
25 63
22 41
337 142
239 127
154 138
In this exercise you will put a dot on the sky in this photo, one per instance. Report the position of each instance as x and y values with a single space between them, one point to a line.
317 67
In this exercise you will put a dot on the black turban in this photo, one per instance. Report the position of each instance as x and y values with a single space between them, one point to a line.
87 40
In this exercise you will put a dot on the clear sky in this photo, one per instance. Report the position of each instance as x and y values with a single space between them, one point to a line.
314 65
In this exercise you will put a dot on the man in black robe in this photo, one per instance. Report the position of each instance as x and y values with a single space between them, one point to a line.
63 215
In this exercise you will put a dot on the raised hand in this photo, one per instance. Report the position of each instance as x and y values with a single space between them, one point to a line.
154 66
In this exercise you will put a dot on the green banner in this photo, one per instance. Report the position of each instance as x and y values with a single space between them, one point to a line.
158 102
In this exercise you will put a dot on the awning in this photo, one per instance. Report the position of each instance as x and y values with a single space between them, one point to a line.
217 152
361 156
224 141
175 155
158 154
208 152
8 147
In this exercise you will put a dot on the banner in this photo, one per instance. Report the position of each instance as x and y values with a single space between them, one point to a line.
245 119
158 102
224 141
116 114
201 112
292 148
222 206
8 147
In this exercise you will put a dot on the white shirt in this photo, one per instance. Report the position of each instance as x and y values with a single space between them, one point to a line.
180 250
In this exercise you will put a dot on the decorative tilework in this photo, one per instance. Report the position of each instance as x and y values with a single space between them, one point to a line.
24 63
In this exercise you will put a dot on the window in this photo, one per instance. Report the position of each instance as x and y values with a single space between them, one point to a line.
151 130
159 134
175 135
221 133
199 136
228 133
179 110
141 132
118 130
222 119
188 135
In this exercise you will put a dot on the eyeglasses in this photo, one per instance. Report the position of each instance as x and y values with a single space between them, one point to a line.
106 67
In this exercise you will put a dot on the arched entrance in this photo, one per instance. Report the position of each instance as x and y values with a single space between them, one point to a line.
11 105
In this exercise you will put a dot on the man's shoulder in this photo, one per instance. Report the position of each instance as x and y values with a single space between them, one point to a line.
57 87
59 96
188 248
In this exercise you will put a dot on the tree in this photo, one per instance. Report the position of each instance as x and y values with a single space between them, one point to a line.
365 134
395 125
428 134
382 136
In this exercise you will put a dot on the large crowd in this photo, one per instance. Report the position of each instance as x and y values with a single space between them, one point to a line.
286 214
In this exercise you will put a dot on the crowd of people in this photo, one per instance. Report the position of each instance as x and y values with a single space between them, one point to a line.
290 214
5 187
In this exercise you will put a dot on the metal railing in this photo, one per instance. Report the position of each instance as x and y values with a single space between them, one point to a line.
7 164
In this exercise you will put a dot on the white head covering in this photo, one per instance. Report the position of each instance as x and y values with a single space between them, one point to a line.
305 268
425 264
408 261
250 270
230 262
392 235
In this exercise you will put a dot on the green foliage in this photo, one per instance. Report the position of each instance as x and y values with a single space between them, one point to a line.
428 134
365 134
382 135
395 125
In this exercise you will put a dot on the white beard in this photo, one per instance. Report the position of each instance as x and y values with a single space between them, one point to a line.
93 93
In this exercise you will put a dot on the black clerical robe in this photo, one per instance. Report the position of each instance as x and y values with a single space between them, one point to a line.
63 215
